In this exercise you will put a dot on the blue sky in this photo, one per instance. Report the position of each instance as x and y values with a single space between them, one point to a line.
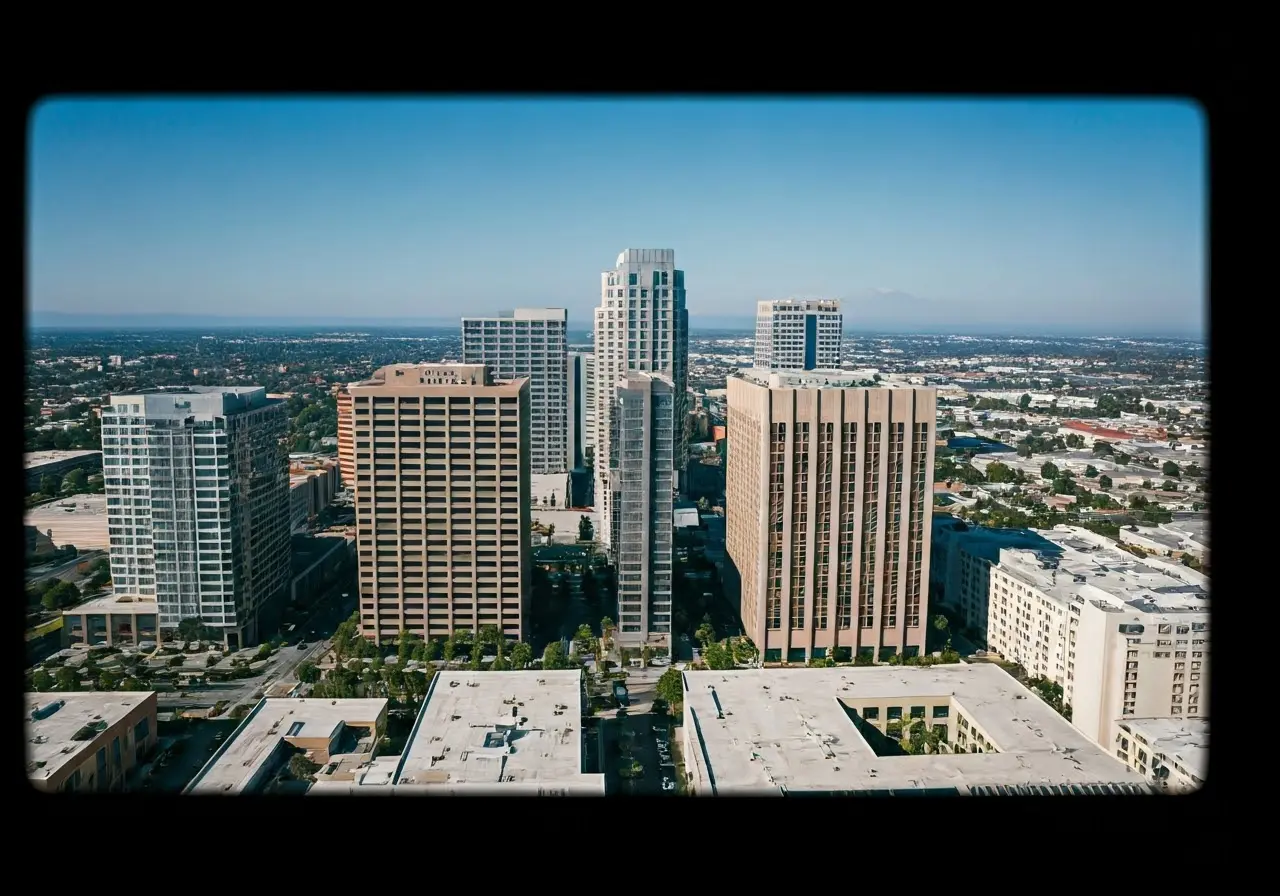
1070 216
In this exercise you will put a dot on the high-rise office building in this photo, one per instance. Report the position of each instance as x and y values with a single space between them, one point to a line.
529 343
588 403
641 325
197 482
829 494
798 334
346 441
641 483
577 413
442 501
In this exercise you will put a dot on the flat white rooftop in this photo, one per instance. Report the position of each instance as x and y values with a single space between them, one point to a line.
492 730
1090 567
271 723
40 458
80 520
1185 741
51 740
790 730
820 379
115 603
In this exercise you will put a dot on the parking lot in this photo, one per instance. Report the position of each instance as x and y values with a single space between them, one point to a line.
196 742
638 757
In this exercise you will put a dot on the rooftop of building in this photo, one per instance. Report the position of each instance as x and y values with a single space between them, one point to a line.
818 379
40 458
551 314
1183 740
193 390
79 520
819 304
272 723
791 730
1089 567
445 373
66 724
494 729
115 603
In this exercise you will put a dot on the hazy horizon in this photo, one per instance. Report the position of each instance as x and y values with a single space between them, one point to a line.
1077 217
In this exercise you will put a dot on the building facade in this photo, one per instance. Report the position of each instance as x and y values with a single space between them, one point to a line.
577 409
588 405
829 512
346 443
798 334
641 325
530 343
88 742
442 500
1172 754
641 483
197 482
1123 637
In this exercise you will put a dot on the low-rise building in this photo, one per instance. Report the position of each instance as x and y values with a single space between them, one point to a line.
1122 636
112 619
1171 539
88 742
331 733
1172 753
827 732
58 463
505 733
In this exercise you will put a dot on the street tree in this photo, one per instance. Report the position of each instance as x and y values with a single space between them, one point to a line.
521 655
67 678
1104 482
553 657
76 482
1049 471
308 673
1172 470
670 689
49 485
41 680
582 640
705 633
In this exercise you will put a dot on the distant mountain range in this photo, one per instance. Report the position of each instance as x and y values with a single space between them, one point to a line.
874 311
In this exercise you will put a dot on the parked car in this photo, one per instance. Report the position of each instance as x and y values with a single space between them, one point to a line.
668 785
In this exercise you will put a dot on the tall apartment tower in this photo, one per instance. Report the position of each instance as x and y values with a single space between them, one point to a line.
588 402
641 325
346 440
441 500
529 343
829 493
577 408
197 482
641 484
798 334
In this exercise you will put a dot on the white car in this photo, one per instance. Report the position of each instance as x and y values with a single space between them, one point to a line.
668 785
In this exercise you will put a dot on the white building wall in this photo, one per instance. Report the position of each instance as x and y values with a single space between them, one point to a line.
781 334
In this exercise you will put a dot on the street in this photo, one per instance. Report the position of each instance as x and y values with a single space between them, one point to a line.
195 744
66 570
629 737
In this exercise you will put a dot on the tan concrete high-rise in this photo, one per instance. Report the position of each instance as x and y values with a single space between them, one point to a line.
829 511
442 501
346 441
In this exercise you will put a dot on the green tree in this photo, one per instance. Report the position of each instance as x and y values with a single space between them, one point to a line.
1172 470
607 631
582 640
1169 486
301 768
430 651
670 689
706 633
76 482
585 531
1024 402
132 684
1090 472
308 673
1192 470
1049 471
41 680
1101 449
1150 408
553 657
716 656
67 678
1104 482
474 662
60 596
521 655
646 656
49 485
450 648
998 472
107 681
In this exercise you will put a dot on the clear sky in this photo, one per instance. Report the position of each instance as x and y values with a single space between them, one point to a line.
1080 216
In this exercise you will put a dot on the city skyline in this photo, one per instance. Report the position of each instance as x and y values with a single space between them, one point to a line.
1039 215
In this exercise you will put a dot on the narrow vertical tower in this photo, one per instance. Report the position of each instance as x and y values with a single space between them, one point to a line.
829 516
641 325
798 334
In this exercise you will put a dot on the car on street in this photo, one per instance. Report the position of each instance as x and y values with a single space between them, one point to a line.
302 645
668 785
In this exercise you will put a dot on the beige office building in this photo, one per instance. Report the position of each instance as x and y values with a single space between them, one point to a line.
441 500
829 516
